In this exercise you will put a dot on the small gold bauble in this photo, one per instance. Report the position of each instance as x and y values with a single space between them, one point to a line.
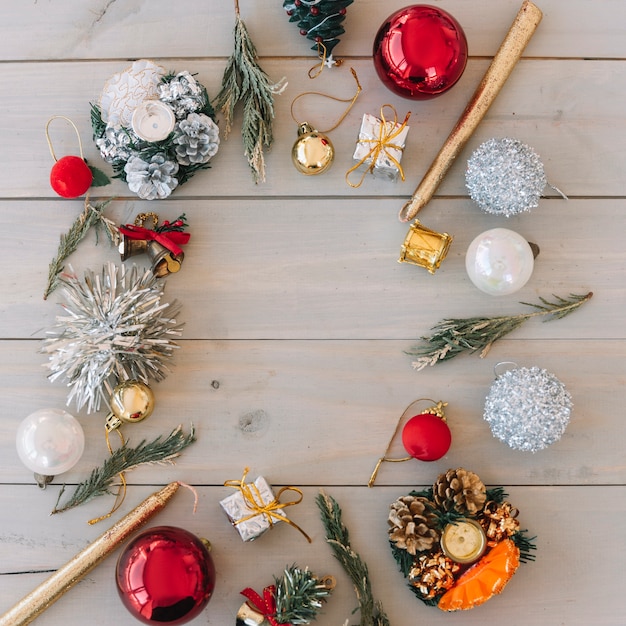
313 151
131 401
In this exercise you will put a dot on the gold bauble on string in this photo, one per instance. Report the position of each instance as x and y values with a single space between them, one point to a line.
313 152
131 401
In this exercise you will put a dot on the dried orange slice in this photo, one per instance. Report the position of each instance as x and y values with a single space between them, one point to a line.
483 579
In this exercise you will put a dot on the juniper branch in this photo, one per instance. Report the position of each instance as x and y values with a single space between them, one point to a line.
124 459
452 337
68 242
372 613
245 81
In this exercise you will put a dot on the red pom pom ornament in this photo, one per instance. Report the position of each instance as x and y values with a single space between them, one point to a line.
70 176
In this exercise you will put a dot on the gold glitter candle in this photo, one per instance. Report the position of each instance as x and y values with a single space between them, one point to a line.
38 600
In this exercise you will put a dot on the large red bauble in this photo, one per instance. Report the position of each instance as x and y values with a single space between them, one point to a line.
70 177
165 574
426 437
420 52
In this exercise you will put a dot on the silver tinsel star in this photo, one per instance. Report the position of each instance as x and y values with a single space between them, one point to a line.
505 177
115 328
528 408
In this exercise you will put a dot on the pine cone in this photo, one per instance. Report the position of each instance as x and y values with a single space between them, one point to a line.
196 139
460 490
411 524
151 179
433 574
499 521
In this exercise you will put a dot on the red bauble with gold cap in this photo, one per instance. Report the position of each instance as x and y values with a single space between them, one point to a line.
165 575
420 52
426 437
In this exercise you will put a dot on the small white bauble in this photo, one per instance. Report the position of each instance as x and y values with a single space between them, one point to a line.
499 261
50 442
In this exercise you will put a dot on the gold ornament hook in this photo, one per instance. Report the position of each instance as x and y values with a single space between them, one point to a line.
351 102
437 409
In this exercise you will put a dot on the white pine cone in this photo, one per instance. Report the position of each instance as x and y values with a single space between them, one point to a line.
114 145
196 139
151 179
183 94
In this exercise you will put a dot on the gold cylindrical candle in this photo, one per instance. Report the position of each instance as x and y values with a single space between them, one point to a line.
501 66
38 600
463 541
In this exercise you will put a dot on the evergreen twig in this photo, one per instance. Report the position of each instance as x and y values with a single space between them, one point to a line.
245 81
451 337
372 613
299 596
68 242
101 480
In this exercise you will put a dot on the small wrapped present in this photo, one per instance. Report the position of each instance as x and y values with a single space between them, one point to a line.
379 146
254 508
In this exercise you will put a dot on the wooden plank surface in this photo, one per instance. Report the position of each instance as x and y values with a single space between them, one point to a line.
297 315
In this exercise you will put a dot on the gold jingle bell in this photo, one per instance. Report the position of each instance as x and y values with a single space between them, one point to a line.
313 152
162 260
131 401
249 616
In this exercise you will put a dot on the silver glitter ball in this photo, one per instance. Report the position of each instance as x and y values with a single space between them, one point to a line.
505 177
528 408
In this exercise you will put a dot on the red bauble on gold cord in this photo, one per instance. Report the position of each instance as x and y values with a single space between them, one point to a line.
165 574
420 52
426 437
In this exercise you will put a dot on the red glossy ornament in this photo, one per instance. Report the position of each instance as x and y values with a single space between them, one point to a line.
165 574
70 177
426 437
420 52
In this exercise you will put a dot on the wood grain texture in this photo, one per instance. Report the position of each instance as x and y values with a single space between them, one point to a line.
297 314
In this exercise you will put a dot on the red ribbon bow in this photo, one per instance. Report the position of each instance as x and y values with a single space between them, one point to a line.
265 605
171 240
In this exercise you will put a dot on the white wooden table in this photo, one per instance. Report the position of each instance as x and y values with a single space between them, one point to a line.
297 314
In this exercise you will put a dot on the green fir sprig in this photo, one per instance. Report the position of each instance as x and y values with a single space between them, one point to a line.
245 81
372 613
92 215
452 337
299 596
103 479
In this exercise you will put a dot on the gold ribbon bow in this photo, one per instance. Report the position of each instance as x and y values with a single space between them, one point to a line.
387 132
254 501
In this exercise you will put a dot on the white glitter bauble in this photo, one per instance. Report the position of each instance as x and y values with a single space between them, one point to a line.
528 408
505 177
